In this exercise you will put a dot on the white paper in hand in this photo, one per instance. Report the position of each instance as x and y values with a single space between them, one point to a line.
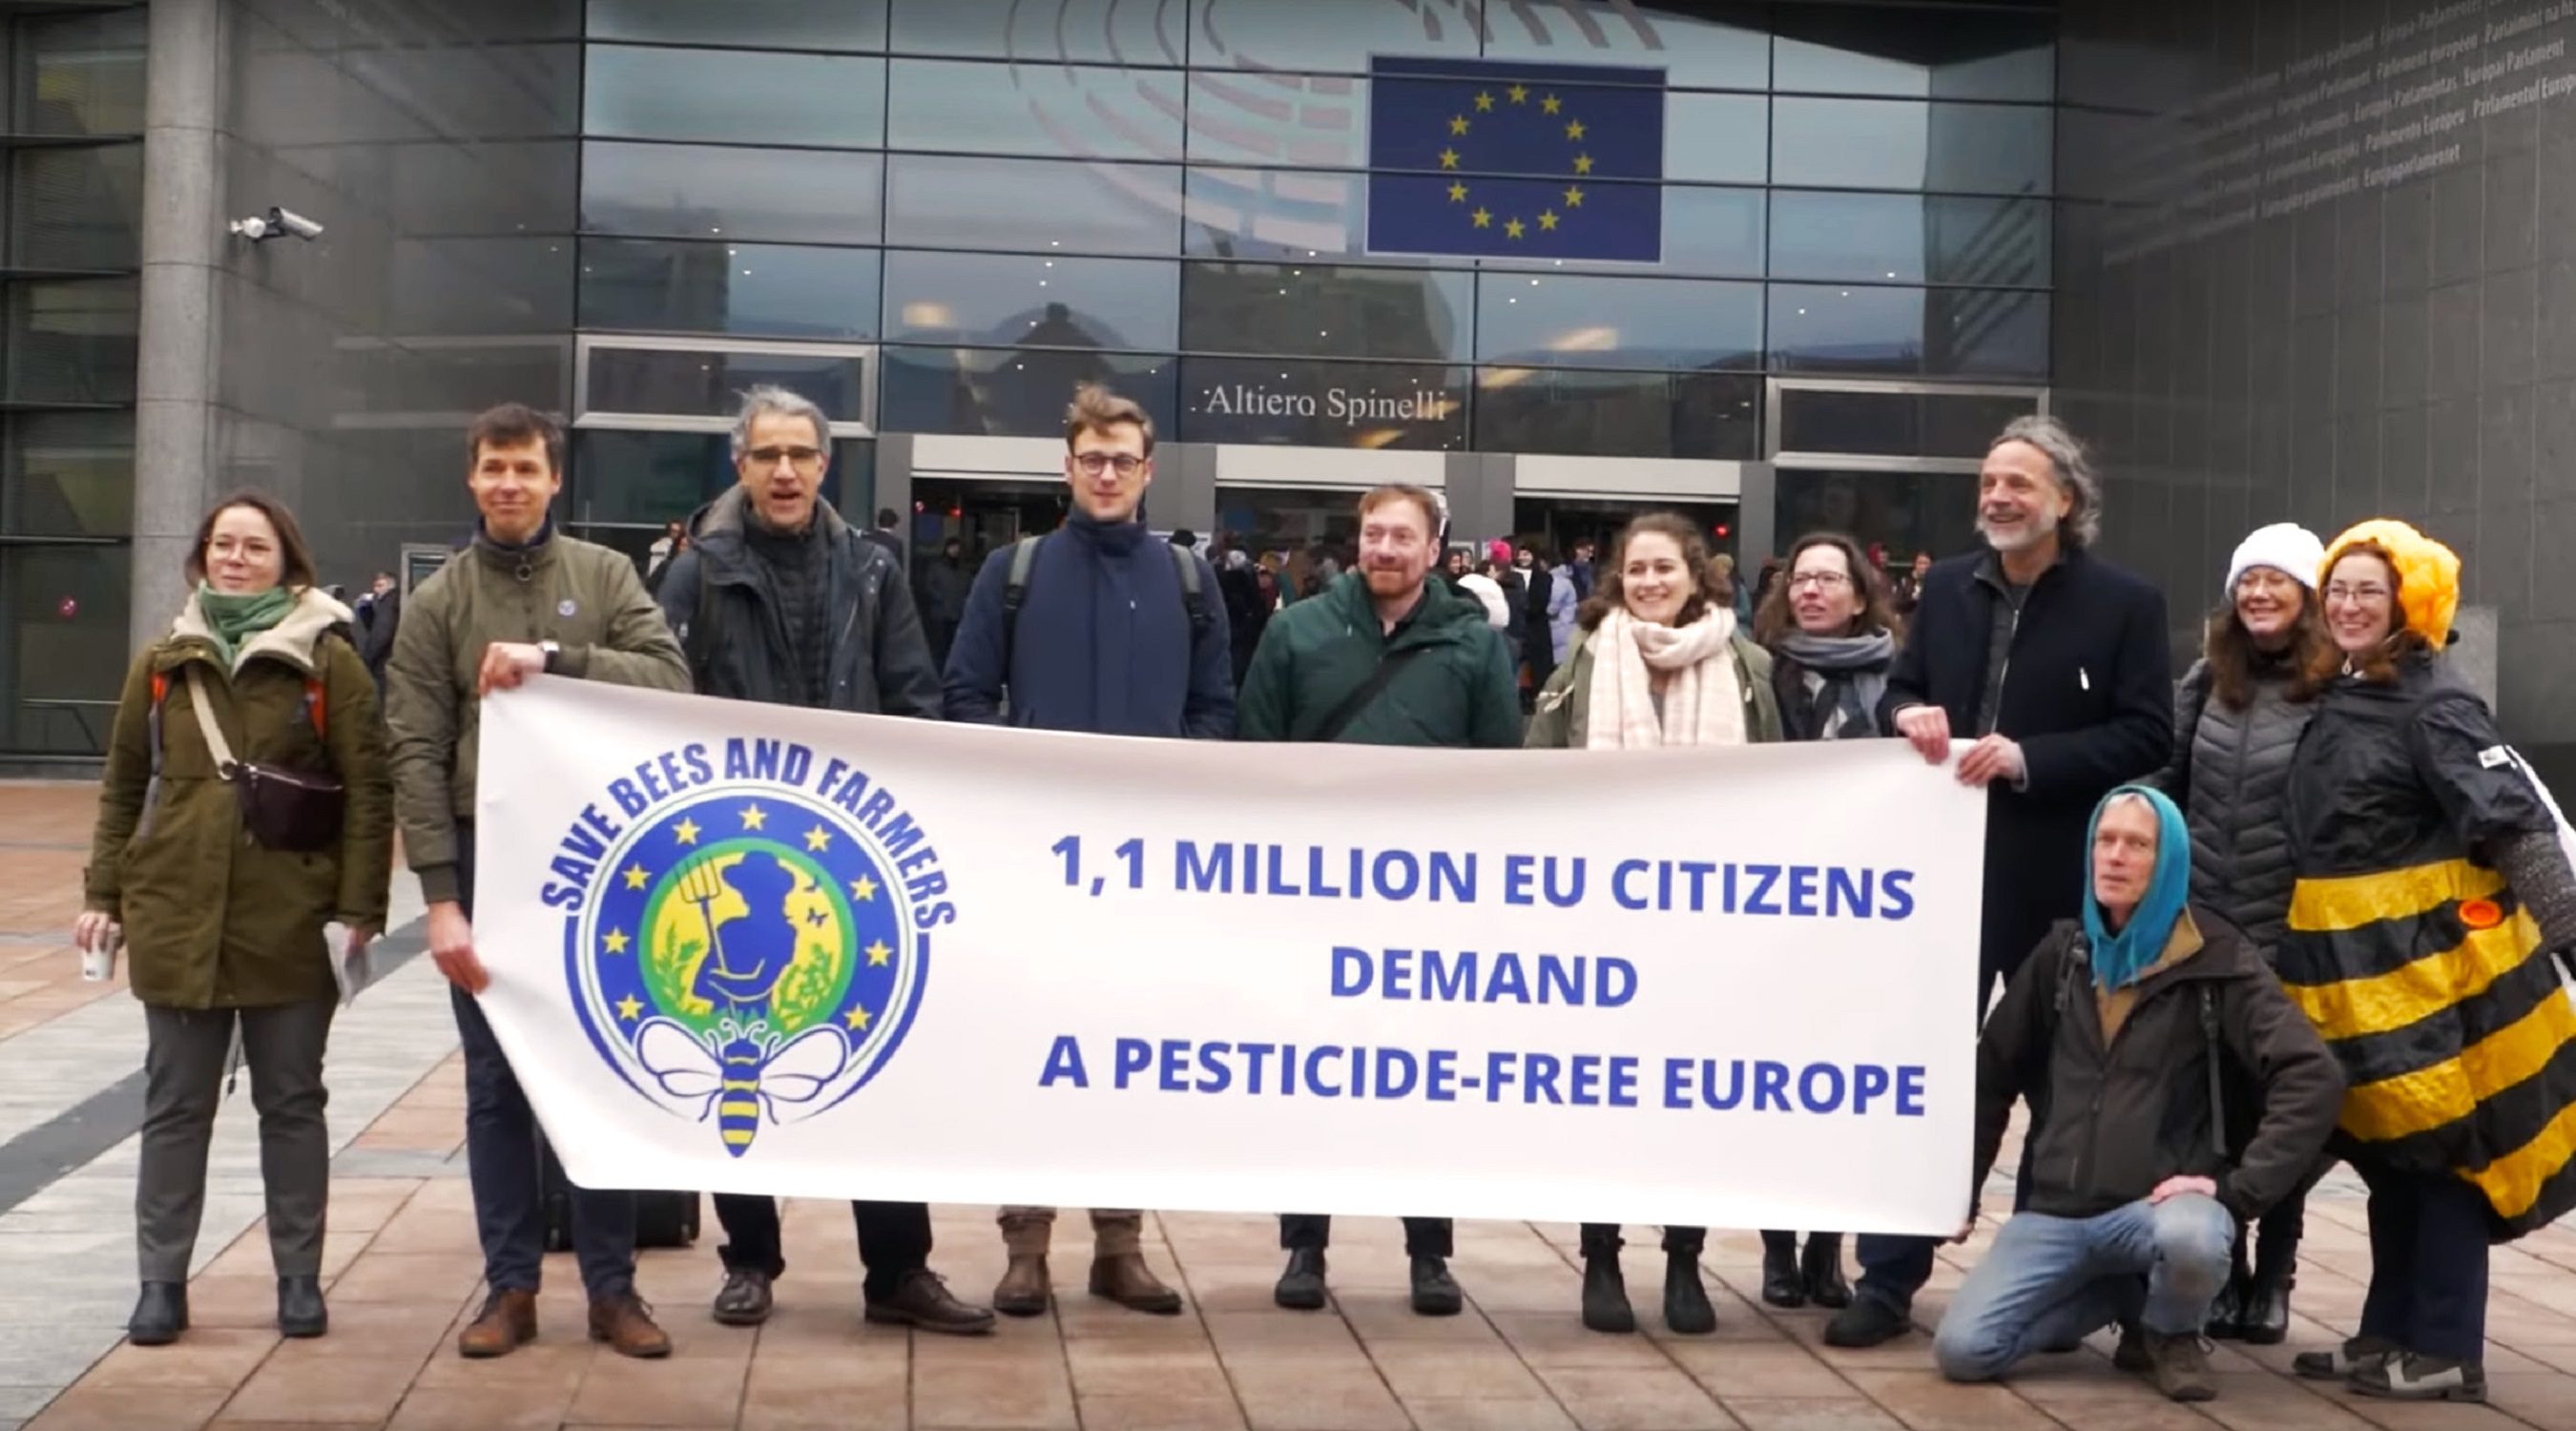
352 972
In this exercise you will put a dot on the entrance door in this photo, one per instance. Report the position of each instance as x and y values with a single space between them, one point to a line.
984 514
1892 465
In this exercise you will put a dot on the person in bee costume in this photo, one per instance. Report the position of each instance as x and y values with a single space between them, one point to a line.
2431 886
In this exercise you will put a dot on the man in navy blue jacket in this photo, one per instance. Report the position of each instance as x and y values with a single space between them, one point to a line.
1105 636
2052 671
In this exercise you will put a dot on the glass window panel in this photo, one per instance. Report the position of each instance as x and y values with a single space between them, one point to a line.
1307 403
766 24
1079 111
1605 414
1561 321
1706 44
1909 238
1006 393
1713 230
1900 513
1903 144
1264 35
775 290
1033 204
71 342
1717 138
1325 311
620 487
1894 424
1274 213
711 383
733 96
1075 31
1927 54
65 640
522 284
683 191
76 208
1943 332
79 74
1307 121
1022 300
70 474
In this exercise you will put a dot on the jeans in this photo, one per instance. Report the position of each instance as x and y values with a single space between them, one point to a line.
1313 1231
2051 1281
501 1159
894 1239
2428 1263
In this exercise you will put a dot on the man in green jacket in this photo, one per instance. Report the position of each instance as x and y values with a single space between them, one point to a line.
1381 657
521 600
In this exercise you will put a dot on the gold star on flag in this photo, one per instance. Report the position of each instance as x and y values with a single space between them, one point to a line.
1448 158
1519 94
863 889
1513 228
857 1017
1484 219
1574 130
878 953
1457 193
754 818
1550 105
636 875
1457 124
818 839
1574 198
1547 219
686 832
627 1008
616 941
1484 104
1582 163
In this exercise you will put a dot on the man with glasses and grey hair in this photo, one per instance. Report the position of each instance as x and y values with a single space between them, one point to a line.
2051 670
777 599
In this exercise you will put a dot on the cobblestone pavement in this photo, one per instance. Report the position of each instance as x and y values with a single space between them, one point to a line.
403 1271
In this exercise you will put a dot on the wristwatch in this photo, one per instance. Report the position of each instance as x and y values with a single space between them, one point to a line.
552 650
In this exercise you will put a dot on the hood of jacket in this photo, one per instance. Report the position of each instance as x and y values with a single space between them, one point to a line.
1443 618
293 639
2428 574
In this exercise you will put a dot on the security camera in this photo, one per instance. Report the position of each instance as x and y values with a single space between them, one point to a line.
274 223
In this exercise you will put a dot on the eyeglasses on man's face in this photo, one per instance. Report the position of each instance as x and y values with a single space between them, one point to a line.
1092 464
806 460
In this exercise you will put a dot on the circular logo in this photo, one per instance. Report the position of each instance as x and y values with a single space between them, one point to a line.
748 962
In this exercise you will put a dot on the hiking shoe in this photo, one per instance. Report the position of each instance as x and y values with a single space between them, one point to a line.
2179 1366
2343 1362
2412 1376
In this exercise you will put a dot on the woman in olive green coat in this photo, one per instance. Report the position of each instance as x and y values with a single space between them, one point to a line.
220 930
1658 662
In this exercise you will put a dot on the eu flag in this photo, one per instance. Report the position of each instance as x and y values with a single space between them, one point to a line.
1490 159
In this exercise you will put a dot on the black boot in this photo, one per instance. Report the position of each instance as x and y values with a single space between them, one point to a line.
1686 1308
1822 1270
2264 1315
1301 1287
160 1314
1605 1296
300 1311
1435 1292
1782 1284
2227 1314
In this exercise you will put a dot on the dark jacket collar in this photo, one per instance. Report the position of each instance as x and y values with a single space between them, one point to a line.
1119 537
1990 565
536 553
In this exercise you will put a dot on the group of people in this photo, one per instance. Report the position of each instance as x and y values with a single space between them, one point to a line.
2297 907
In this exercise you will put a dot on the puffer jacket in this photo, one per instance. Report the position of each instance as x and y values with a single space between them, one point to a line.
212 918
1315 654
2230 773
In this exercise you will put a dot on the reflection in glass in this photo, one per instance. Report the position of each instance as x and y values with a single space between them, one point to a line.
1014 300
78 74
733 96
1717 138
1706 44
1302 121
1324 311
1064 31
1078 111
1918 54
765 24
1909 238
775 290
71 342
711 383
639 480
76 208
65 640
1006 392
69 474
1607 414
1037 205
1899 513
1307 403
1264 35
1940 332
1906 144
685 191
1564 321
1273 213
1936 424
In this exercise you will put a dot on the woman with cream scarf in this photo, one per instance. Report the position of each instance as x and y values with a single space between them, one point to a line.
1658 661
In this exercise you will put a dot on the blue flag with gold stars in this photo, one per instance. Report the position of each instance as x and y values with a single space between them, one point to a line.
1491 159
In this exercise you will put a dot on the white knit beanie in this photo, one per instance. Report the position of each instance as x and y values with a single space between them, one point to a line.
2285 547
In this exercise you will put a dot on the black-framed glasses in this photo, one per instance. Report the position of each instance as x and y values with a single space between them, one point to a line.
1094 463
806 460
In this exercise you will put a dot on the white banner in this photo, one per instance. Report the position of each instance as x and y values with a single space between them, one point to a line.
747 948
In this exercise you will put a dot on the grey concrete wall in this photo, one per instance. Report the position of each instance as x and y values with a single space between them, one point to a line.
2317 261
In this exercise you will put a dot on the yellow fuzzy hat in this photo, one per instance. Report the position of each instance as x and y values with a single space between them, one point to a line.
2428 574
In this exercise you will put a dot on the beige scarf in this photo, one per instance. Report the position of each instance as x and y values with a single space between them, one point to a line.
1703 702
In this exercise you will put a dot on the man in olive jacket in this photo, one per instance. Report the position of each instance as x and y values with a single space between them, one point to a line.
1381 656
521 600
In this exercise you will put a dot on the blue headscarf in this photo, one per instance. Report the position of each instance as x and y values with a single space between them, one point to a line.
2118 959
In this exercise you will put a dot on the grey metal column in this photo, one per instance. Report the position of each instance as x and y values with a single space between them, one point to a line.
1480 496
893 481
183 238
1757 514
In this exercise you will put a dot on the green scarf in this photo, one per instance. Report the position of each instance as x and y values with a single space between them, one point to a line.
234 618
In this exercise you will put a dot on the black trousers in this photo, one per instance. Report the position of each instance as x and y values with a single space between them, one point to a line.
1602 1239
1423 1236
894 1239
2428 1263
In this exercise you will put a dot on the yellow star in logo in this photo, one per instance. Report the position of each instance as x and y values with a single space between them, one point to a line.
1547 219
1457 124
857 1017
1519 93
636 875
1574 130
1550 105
1484 104
878 953
686 832
818 839
1574 198
1582 163
754 818
1448 158
627 1008
1484 219
863 889
616 941
1513 228
1457 193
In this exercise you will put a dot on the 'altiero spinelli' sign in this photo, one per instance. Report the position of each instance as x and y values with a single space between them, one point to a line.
1324 404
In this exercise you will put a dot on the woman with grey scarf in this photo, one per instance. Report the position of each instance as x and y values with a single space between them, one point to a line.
1831 638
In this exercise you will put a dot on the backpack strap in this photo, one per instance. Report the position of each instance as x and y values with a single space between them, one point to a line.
2217 1092
1015 592
1193 596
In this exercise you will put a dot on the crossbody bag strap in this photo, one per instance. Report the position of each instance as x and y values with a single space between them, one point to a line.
1341 716
216 745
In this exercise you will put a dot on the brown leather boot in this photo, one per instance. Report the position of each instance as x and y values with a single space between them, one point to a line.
1024 1287
626 1324
507 1322
1123 1277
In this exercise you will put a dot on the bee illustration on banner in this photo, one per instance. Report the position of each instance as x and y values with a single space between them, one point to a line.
740 1073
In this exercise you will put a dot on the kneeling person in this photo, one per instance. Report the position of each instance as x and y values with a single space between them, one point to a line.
2126 1032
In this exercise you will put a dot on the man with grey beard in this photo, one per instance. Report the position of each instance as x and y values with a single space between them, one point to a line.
2049 668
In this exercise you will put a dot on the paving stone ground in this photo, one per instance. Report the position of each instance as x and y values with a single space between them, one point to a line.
403 1274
